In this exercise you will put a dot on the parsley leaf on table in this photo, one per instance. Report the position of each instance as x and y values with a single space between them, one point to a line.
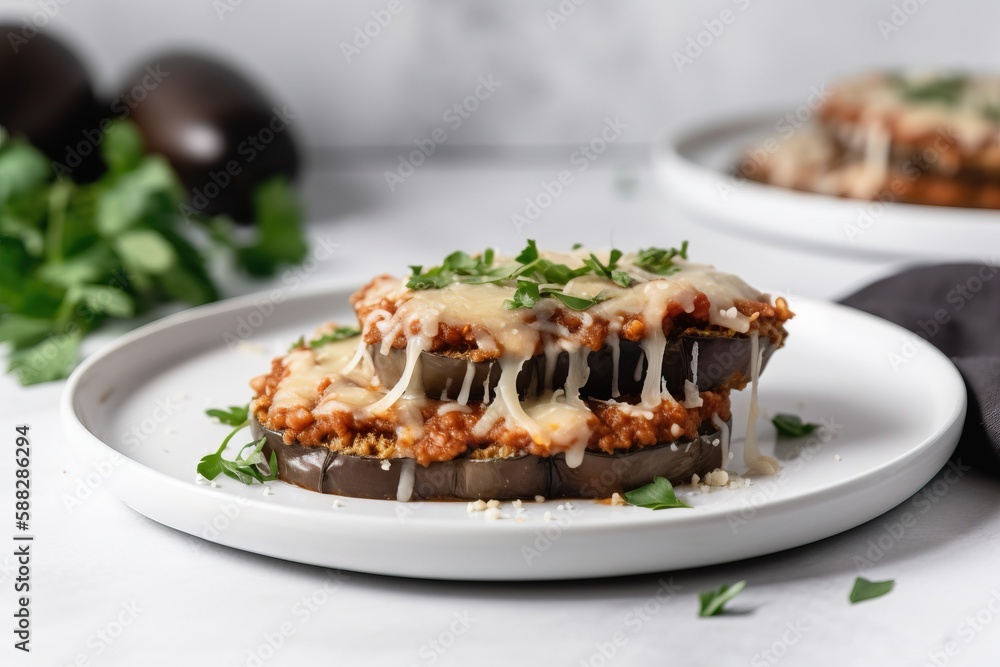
866 590
712 602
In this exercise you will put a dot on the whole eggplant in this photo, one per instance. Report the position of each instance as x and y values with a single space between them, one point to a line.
46 97
222 135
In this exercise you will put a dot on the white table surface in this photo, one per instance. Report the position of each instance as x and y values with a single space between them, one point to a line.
111 587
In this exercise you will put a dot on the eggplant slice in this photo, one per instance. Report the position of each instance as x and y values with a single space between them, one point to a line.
720 361
600 475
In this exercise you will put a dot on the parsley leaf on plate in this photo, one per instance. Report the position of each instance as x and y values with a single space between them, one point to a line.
866 590
245 467
712 602
792 426
657 495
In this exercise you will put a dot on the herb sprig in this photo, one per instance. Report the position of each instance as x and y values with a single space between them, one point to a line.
245 467
661 260
73 254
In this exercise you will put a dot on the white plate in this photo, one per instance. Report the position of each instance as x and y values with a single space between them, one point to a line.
696 168
135 410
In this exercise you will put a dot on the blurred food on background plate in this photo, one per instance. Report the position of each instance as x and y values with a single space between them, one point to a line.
919 138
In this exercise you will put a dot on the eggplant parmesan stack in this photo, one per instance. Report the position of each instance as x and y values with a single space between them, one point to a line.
921 139
558 375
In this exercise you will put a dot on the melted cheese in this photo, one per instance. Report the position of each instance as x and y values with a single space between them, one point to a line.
306 368
565 426
752 457
723 437
407 477
507 406
616 354
692 397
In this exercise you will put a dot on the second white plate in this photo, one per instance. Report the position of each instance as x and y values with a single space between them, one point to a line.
697 170
892 405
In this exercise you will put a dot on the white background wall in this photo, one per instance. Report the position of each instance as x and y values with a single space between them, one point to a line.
558 84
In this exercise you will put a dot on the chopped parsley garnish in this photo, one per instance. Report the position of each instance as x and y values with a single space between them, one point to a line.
73 255
245 467
658 495
337 335
945 89
457 267
792 426
608 270
661 260
526 295
867 590
535 277
570 301
712 602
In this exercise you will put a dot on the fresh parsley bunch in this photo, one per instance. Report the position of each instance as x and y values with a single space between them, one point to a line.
74 254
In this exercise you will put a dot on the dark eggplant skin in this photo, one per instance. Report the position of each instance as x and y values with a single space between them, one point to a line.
719 360
218 130
46 97
599 476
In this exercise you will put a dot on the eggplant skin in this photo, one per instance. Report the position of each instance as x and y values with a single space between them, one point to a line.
722 362
599 476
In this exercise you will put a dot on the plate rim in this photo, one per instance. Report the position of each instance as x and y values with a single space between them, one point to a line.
673 162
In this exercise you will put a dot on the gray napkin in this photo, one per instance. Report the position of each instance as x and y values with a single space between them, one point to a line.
956 308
